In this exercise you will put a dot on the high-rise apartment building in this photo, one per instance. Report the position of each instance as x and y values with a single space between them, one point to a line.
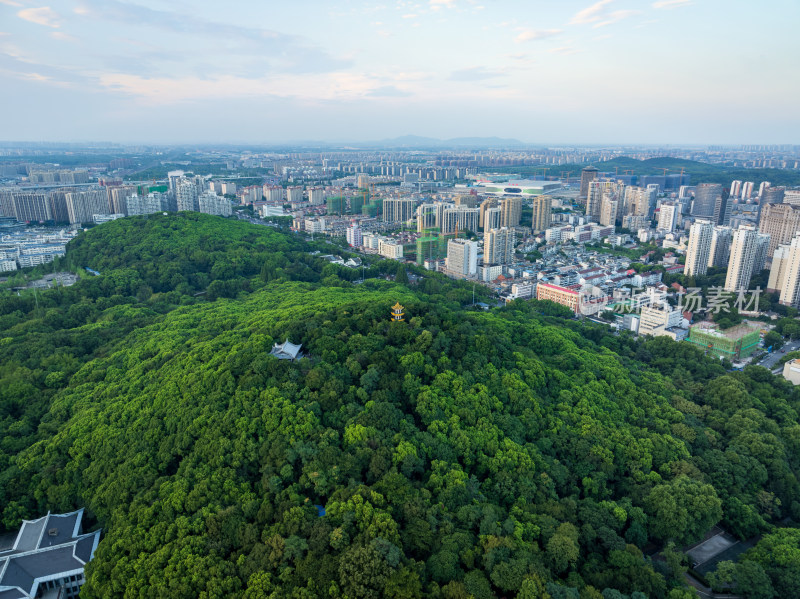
609 208
668 216
639 201
720 250
705 199
760 260
466 200
723 206
31 207
498 246
492 218
147 204
83 205
777 271
354 236
736 189
187 197
594 199
780 222
772 195
746 246
764 185
747 190
316 196
398 210
211 203
791 196
485 205
789 283
700 235
119 198
57 198
542 213
461 218
462 257
426 217
294 194
273 193
228 188
588 175
510 212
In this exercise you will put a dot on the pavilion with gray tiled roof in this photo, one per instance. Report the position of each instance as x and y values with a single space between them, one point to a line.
286 351
48 556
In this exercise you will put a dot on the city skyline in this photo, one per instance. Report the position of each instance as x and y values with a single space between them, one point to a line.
612 71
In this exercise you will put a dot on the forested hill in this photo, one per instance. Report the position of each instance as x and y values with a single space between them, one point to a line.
458 454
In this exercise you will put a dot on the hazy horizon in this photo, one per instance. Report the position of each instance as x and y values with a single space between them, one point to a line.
666 72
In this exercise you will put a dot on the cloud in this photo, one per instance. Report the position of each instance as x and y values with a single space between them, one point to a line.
475 74
10 3
34 77
322 87
537 34
590 14
671 3
257 50
614 16
43 15
562 50
388 91
437 4
410 16
64 37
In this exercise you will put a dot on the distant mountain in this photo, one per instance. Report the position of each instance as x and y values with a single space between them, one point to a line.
417 141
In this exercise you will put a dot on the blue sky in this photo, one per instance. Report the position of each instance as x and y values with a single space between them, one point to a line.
574 71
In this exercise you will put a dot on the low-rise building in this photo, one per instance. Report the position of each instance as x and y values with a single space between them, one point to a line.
354 236
523 290
791 371
489 272
48 558
388 248
655 321
734 343
560 295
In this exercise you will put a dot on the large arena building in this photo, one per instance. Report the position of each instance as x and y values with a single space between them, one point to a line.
522 188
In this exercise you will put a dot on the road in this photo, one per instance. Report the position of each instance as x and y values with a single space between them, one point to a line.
771 359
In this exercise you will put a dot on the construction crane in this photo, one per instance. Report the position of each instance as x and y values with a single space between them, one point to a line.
663 169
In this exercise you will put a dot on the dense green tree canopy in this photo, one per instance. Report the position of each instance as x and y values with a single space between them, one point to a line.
456 454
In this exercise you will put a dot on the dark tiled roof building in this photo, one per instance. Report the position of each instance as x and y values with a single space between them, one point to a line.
47 558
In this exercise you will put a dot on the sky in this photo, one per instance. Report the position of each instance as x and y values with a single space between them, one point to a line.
566 72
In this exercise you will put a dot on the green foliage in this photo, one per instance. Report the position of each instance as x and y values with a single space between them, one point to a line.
778 556
457 454
773 339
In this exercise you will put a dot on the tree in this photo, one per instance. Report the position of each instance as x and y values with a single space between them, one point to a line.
562 548
752 581
773 339
682 510
402 276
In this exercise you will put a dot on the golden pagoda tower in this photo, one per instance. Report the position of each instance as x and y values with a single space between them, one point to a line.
397 313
